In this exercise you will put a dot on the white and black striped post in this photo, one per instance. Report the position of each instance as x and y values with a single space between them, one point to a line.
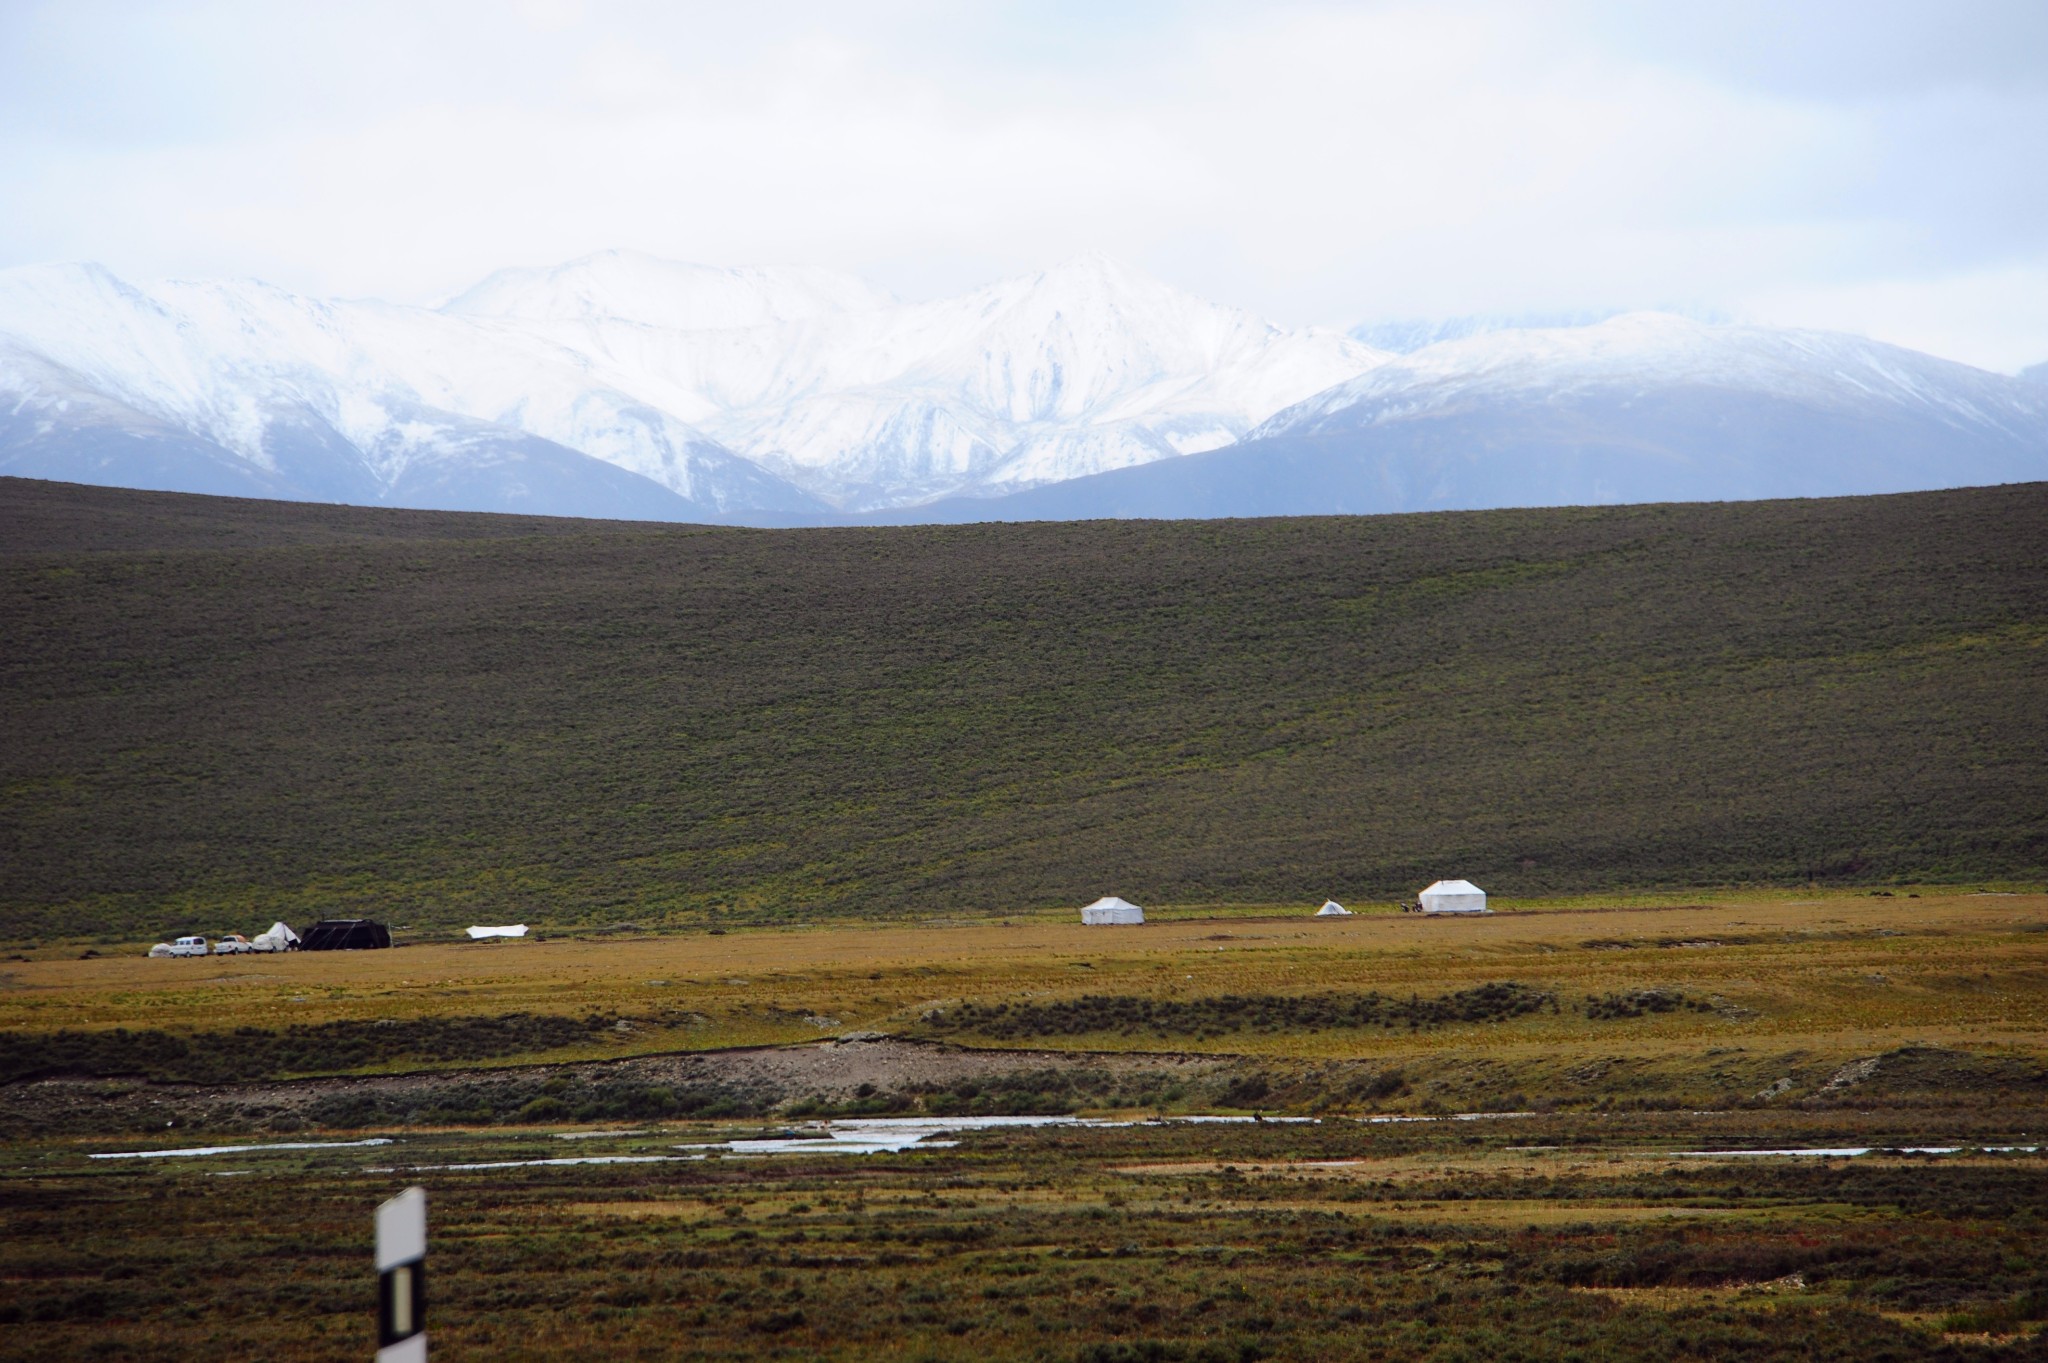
402 1278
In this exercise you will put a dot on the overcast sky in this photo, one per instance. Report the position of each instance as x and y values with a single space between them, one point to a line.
1869 166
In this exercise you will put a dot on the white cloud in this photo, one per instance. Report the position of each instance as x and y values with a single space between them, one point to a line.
1995 319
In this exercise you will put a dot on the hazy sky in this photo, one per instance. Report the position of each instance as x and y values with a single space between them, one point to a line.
1870 166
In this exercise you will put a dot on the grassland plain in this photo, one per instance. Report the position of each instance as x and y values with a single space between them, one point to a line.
220 712
1752 1001
1570 1221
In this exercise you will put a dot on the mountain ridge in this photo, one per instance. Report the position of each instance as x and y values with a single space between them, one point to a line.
794 395
765 390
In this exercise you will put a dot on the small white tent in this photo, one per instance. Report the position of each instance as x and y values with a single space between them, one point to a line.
1453 896
279 938
1110 909
516 930
1332 909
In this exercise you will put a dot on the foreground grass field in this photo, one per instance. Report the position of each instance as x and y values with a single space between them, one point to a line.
220 713
1520 1238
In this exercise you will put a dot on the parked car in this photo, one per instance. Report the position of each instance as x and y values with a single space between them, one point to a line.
234 944
184 946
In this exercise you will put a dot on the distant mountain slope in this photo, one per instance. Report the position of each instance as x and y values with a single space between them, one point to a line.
1069 371
1405 338
1641 408
233 711
773 394
245 388
623 385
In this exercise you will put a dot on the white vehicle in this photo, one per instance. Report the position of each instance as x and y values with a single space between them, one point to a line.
234 944
184 946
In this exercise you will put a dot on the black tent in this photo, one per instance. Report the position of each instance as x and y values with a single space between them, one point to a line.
344 934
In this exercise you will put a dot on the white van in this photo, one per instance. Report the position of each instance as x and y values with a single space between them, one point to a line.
184 946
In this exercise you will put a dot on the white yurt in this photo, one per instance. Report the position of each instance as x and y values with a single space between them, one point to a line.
1332 909
512 930
278 937
1453 896
1110 909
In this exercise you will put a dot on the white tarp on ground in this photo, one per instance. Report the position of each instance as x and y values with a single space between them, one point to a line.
1110 909
1332 909
278 938
1453 896
516 930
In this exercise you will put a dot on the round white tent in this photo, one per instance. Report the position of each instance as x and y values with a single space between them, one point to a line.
1332 909
1109 909
1453 896
280 937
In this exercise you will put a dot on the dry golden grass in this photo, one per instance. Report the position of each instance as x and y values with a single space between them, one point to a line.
1850 973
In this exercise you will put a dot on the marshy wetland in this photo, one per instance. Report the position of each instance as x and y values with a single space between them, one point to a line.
1521 1136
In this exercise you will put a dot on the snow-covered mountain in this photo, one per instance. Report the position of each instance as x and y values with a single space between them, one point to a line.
1642 407
1633 353
628 286
1407 337
622 385
872 404
748 394
243 387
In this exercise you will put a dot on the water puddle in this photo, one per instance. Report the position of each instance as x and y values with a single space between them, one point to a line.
1855 1151
190 1151
539 1163
883 1135
1450 1117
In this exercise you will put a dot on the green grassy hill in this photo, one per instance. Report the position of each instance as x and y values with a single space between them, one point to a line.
221 711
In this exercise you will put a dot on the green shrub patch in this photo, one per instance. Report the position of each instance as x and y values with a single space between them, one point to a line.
307 1049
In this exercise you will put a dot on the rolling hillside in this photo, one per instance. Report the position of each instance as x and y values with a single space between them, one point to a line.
221 711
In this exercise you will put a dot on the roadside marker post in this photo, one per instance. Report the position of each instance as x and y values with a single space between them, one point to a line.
402 1278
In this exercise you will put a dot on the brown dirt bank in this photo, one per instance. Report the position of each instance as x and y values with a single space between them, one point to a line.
741 1082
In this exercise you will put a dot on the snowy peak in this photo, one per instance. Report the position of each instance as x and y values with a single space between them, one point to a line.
1092 341
764 387
1643 350
1407 337
628 286
337 401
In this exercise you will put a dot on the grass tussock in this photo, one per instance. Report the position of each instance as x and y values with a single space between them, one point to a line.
255 1053
1207 1017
